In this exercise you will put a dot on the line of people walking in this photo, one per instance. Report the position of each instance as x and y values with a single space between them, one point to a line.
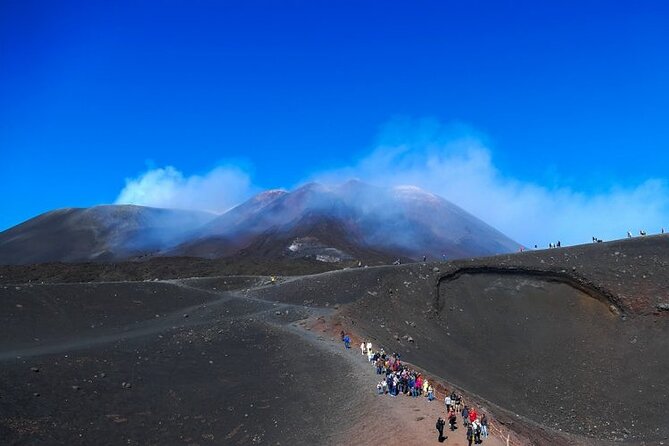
398 379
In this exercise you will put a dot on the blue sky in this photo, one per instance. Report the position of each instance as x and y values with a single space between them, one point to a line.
557 105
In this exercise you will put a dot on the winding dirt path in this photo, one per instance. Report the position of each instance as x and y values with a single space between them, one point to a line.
385 420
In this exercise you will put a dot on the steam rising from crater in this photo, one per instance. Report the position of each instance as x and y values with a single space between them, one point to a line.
450 161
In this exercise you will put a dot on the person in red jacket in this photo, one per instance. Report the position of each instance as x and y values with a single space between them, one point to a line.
473 415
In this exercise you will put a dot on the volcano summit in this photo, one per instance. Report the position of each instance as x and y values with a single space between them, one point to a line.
352 221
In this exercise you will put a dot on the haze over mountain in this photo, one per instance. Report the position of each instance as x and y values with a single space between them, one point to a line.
353 220
102 233
401 221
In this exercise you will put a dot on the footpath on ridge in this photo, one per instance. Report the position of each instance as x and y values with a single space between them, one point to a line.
386 420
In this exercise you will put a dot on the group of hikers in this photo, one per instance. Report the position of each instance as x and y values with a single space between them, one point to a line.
398 379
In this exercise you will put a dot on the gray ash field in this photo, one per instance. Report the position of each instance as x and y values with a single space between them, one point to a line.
563 346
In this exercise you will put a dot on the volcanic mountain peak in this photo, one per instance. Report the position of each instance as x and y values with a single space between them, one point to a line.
269 195
355 218
408 192
400 221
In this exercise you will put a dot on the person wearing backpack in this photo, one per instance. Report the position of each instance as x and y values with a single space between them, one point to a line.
470 435
476 428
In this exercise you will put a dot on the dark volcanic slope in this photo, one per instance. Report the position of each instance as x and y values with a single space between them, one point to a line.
158 268
563 340
558 352
514 331
226 374
99 233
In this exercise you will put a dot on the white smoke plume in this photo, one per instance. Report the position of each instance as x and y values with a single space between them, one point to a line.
166 187
454 162
451 161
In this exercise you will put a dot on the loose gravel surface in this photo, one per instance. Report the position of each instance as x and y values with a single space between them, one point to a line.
560 346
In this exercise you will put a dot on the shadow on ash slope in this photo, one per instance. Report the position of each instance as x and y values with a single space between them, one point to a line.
557 355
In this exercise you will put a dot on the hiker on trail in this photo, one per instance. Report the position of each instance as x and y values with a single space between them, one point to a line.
465 415
343 334
457 402
484 426
448 403
470 435
629 234
454 402
347 341
430 393
440 428
362 348
452 419
391 386
379 365
473 415
370 353
425 386
476 429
